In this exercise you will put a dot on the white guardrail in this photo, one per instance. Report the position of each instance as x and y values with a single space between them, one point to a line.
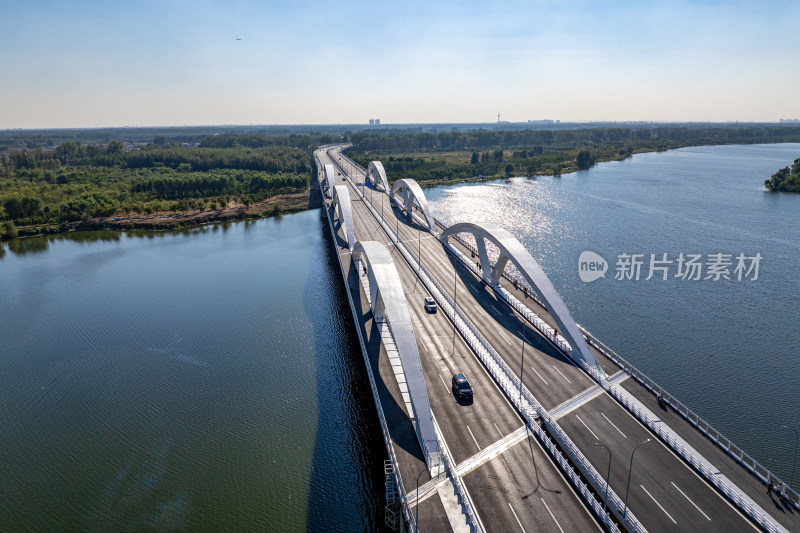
387 438
765 521
509 383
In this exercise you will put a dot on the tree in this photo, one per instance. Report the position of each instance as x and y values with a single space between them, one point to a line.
509 170
66 152
584 160
114 148
21 207
10 230
475 158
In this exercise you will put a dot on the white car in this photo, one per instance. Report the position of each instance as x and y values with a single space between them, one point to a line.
430 304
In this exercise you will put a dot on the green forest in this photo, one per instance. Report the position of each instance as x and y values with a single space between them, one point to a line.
643 138
786 179
458 156
71 183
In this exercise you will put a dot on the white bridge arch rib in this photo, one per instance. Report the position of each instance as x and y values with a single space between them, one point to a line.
377 175
513 250
344 210
410 191
389 303
330 178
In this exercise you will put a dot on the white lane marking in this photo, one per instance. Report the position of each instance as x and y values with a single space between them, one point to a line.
473 439
444 383
587 427
659 505
562 374
515 516
612 423
551 515
425 344
504 337
498 430
540 376
480 309
498 312
690 501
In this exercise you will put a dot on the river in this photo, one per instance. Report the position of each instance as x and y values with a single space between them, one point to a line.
210 380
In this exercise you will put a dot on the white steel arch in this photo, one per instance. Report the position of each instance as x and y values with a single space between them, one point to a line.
410 190
513 250
377 175
330 179
388 302
343 208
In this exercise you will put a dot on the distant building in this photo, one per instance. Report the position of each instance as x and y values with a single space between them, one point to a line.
372 122
789 120
377 122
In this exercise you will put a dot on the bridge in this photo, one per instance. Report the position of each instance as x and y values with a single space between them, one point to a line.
562 435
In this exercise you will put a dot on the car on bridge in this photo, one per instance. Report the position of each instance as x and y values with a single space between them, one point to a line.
462 388
430 304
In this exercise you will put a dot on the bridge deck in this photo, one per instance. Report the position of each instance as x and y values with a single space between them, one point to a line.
467 428
665 493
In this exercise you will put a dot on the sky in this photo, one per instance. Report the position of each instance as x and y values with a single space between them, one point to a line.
162 63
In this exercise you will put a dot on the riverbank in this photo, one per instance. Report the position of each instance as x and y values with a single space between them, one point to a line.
165 220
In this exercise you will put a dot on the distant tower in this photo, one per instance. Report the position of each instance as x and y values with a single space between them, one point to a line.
498 116
377 122
372 122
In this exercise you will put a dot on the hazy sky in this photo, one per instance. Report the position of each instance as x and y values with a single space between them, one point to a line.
165 62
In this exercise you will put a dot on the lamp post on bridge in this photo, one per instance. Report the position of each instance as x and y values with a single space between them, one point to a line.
608 473
455 296
630 468
794 457
522 366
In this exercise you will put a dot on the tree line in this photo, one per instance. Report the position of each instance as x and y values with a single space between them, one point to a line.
656 137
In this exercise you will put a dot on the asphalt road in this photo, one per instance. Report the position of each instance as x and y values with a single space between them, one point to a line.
469 428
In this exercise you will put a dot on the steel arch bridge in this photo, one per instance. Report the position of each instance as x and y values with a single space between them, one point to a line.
513 250
389 304
410 191
377 175
342 207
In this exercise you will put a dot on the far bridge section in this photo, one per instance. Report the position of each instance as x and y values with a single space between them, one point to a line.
557 437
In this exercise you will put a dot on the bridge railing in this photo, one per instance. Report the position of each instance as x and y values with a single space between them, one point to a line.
739 455
510 384
387 437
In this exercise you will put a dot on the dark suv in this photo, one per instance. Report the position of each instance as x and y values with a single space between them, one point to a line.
461 387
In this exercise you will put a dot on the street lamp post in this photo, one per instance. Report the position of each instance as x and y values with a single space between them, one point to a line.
630 468
521 366
794 457
608 473
455 296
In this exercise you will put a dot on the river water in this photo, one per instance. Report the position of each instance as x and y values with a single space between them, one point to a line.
206 380
210 379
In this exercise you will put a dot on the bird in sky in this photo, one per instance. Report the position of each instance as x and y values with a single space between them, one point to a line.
238 38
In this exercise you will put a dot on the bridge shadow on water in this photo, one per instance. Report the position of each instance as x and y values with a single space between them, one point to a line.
346 490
